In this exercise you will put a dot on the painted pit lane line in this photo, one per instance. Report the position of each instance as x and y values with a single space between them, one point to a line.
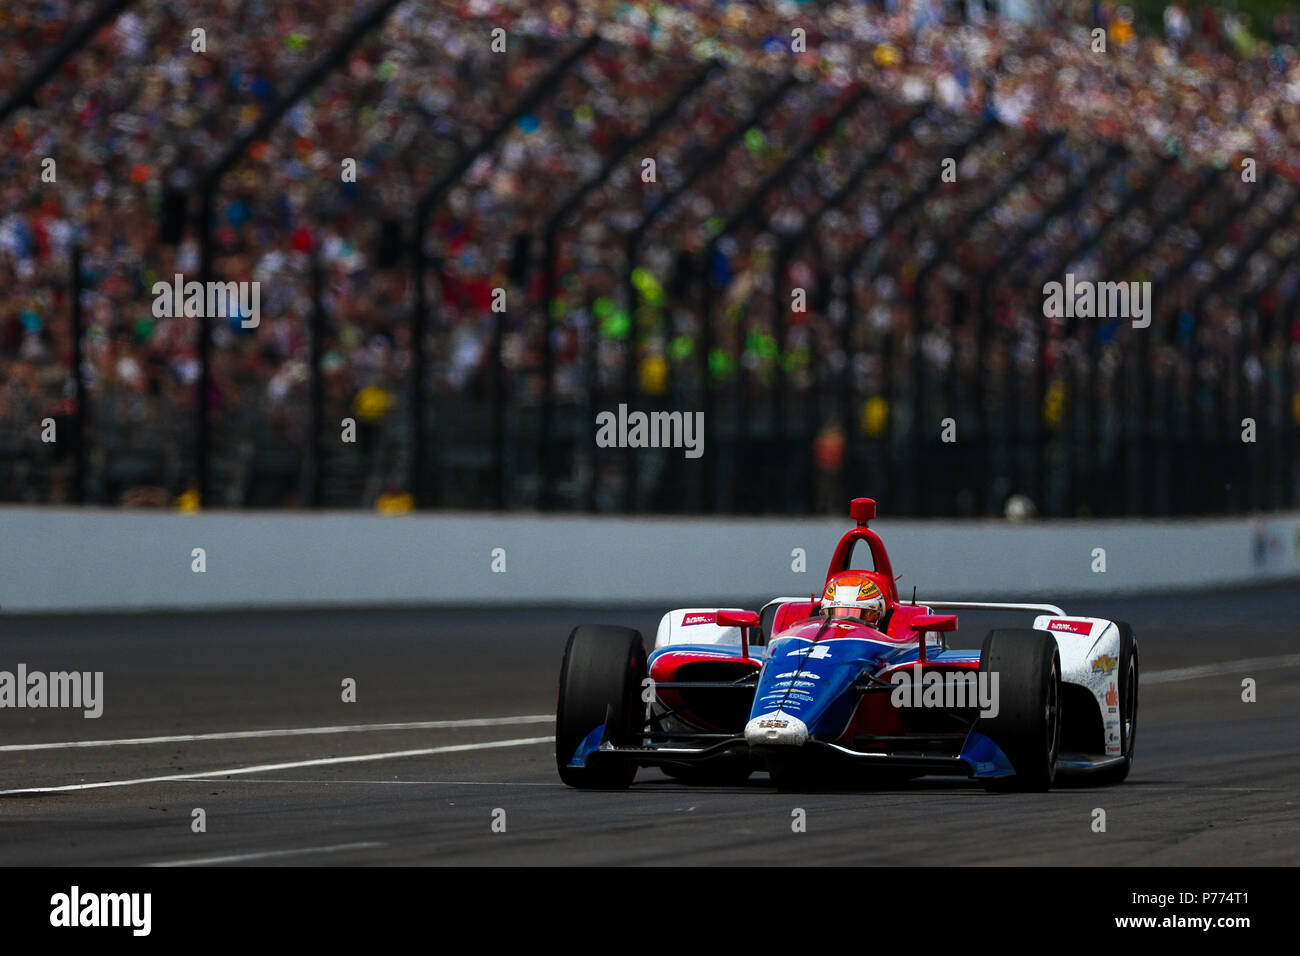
287 732
270 767
266 855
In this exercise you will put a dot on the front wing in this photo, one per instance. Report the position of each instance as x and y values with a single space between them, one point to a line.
979 756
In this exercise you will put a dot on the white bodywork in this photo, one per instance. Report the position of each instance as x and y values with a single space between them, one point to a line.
1089 649
1090 657
689 625
776 727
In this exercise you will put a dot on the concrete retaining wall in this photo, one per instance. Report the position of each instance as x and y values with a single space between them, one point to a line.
90 560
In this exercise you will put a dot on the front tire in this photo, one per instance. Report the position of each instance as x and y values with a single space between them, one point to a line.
1027 727
600 678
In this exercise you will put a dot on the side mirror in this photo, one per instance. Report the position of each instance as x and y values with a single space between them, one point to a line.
741 619
934 622
738 619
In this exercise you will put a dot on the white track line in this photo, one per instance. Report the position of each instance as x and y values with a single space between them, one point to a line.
288 732
410 783
267 855
268 767
1221 670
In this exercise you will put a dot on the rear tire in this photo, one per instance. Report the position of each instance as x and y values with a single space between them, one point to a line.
1128 706
1027 727
602 673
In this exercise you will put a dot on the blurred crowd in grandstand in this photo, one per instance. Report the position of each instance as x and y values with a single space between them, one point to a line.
1119 165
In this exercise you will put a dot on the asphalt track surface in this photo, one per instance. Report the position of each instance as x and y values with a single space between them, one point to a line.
289 774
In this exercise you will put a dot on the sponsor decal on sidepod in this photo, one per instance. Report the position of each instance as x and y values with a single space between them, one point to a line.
1073 627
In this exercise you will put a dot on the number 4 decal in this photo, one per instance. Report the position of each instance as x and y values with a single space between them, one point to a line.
816 652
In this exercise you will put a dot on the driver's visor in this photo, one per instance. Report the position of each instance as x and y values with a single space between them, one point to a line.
855 613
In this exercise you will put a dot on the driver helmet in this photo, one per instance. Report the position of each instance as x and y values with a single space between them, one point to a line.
854 596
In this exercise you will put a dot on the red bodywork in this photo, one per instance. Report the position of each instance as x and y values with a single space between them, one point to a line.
875 714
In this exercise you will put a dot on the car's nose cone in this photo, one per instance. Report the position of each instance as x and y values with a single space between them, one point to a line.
777 728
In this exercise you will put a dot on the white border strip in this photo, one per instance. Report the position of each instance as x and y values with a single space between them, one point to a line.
1220 670
286 732
269 767
268 855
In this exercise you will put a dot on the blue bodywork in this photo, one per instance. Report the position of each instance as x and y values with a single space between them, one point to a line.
590 744
814 681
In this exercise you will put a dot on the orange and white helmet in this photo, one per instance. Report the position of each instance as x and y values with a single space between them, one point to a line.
853 595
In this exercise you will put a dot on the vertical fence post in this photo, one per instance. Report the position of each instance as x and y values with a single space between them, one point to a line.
546 453
418 481
546 420
1279 399
1288 405
498 413
629 356
211 181
891 468
848 396
708 338
79 383
780 317
317 385
916 489
780 330
419 474
634 239
202 435
750 211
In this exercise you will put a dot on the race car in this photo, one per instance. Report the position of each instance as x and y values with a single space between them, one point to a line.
855 688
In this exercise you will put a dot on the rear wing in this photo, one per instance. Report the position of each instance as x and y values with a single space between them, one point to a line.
769 619
992 606
946 605
778 601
